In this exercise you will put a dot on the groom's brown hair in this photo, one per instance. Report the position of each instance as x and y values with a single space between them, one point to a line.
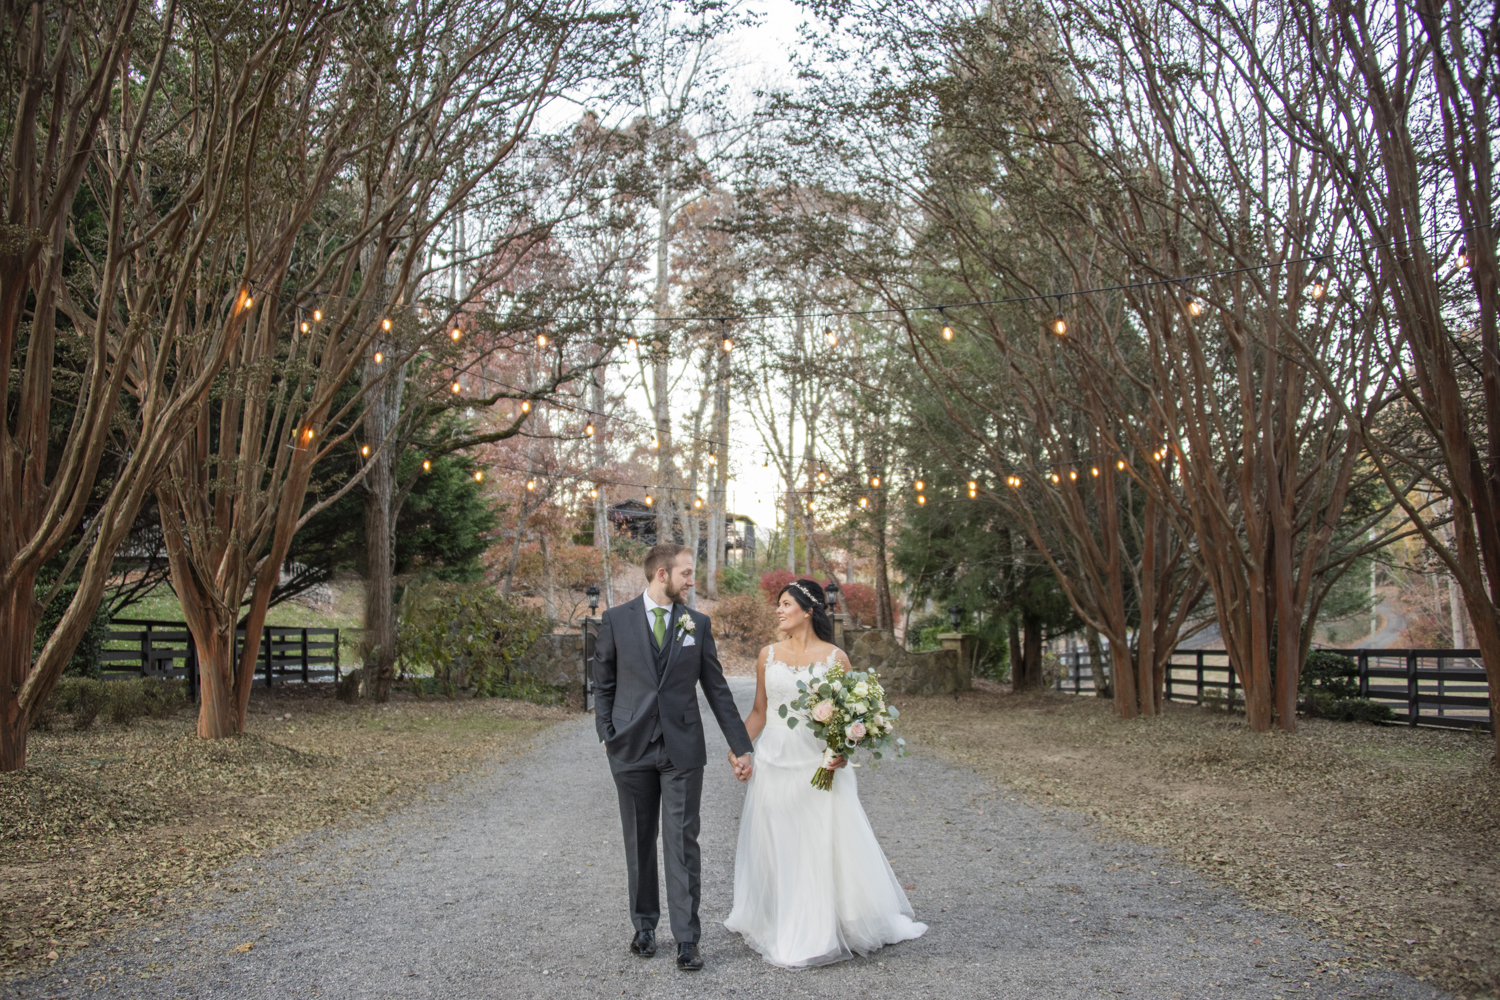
662 554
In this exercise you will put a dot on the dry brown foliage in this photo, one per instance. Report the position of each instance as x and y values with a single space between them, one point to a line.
114 825
1383 837
744 622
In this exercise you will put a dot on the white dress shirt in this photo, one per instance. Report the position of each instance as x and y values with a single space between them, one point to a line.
651 614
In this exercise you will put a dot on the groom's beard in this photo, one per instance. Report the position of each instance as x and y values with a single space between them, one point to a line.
676 596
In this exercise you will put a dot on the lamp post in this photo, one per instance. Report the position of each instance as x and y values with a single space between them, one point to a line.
832 590
956 616
593 593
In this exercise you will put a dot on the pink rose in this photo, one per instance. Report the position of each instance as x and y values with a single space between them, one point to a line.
822 711
857 731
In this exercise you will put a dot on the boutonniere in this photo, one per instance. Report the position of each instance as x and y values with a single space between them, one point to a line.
685 626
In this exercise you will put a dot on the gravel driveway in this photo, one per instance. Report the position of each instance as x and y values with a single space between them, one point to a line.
513 885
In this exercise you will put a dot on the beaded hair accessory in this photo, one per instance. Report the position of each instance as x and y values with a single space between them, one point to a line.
810 597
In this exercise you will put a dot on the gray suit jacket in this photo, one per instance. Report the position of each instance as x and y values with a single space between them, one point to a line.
631 696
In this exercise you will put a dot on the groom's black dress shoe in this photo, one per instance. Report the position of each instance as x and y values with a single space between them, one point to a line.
688 957
644 943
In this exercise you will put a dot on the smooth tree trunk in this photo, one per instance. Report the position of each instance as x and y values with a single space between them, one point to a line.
380 530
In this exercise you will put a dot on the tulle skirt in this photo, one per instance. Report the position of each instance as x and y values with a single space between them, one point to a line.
811 884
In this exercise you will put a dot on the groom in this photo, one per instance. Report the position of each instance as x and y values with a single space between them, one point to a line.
649 658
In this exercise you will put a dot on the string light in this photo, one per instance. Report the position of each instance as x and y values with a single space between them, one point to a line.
728 344
1194 307
1463 257
649 500
921 500
525 406
426 465
306 326
713 459
364 449
1317 288
541 340
634 346
1060 325
1056 478
697 503
456 333
531 484
947 333
1095 471
478 475
864 501
588 429
593 494
830 336
875 481
385 324
379 357
457 388
1073 475
317 315
822 475
655 443
921 486
1014 482
1120 465
973 489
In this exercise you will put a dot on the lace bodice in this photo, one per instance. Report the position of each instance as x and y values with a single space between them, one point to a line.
782 678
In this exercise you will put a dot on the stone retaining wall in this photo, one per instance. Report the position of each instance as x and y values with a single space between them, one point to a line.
938 671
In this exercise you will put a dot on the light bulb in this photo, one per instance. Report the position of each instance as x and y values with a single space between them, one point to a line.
831 337
1463 257
1120 465
525 406
589 430
1094 471
649 501
875 481
426 465
697 503
478 475
531 484
306 326
1013 481
921 486
655 443
379 357
728 345
317 315
456 333
1316 289
541 340
864 501
822 476
364 449
593 494
308 434
713 459
1194 307
633 345
1059 325
947 333
973 485
1056 478
248 300
457 388
1073 475
385 324
921 500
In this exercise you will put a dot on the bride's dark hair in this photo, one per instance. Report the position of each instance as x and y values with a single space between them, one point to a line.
809 597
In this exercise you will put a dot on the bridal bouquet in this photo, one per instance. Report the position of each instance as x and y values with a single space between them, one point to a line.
846 711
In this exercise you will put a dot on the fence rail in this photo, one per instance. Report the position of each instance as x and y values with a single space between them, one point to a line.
1433 687
146 647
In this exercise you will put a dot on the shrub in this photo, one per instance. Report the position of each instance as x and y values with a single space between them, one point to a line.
745 618
773 581
1329 686
467 636
922 634
85 698
86 660
121 701
734 581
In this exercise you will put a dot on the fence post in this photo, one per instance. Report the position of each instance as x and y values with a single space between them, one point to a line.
146 651
305 677
1170 664
1078 671
1441 688
192 666
1364 675
265 646
335 656
1413 698
1200 676
1229 666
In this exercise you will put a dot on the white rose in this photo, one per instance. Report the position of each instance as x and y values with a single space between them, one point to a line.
838 686
861 689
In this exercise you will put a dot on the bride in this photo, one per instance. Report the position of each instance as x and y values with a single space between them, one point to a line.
811 884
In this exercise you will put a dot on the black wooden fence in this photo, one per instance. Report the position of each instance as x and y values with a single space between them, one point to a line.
143 647
1423 687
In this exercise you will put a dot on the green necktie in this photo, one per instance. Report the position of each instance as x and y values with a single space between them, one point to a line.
661 624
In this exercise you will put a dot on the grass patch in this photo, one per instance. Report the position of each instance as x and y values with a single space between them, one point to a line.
119 823
1383 837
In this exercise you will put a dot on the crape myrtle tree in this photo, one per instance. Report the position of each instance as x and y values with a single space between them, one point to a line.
133 242
429 104
1050 156
1406 122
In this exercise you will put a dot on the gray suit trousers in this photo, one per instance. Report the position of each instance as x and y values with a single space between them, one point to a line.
656 796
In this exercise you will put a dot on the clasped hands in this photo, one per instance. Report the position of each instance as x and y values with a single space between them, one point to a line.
741 765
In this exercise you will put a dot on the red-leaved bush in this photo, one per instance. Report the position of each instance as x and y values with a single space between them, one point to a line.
858 599
773 580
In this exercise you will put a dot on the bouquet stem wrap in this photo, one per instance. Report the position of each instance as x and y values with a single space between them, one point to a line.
847 711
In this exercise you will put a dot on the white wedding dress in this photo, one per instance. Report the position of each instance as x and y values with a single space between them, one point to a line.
811 884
